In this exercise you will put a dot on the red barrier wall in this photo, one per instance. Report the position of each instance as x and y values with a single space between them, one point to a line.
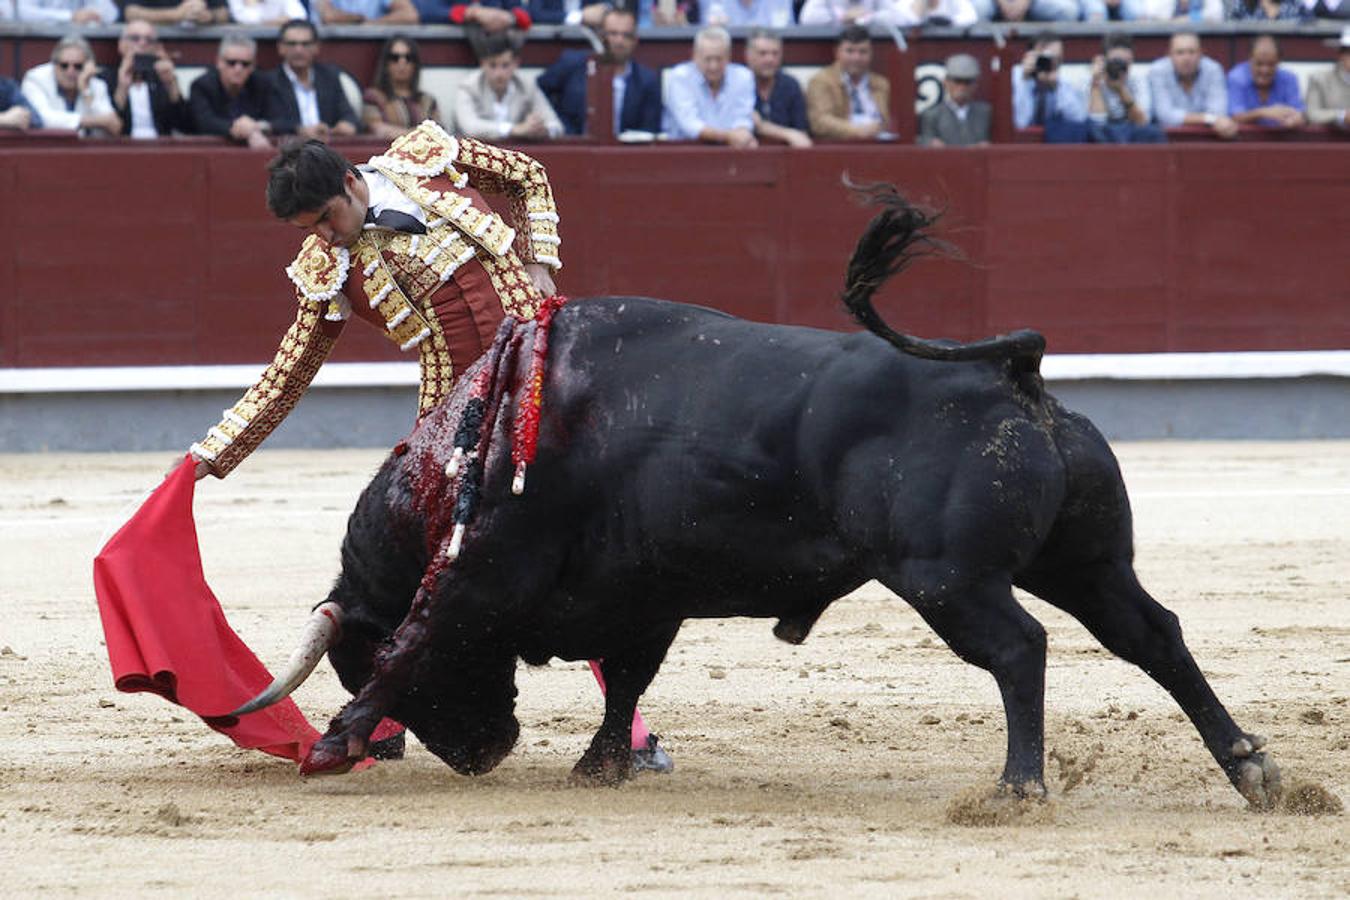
165 255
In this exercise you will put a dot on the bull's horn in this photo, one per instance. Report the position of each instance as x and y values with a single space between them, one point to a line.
321 632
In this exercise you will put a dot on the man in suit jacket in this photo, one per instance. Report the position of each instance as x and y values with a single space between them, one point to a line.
846 101
957 121
304 96
231 100
637 89
143 85
497 104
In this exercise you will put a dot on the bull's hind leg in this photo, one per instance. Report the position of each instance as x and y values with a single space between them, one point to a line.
1108 599
609 758
986 627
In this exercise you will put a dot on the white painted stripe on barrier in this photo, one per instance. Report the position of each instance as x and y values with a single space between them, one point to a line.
1060 367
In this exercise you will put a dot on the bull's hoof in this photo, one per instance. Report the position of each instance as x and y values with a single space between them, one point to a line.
389 748
331 756
793 631
1256 776
596 770
1002 804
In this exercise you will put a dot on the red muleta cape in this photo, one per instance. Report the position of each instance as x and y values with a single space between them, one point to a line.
167 634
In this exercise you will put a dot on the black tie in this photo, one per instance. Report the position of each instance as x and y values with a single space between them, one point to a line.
1042 105
395 220
857 100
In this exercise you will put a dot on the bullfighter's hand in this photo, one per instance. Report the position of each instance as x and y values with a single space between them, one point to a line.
541 278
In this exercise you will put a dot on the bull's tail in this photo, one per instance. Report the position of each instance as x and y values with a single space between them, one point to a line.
897 236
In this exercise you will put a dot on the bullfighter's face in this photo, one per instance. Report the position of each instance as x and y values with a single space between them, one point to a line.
340 220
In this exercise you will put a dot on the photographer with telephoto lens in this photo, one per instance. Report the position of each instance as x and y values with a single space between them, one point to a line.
1041 98
1118 103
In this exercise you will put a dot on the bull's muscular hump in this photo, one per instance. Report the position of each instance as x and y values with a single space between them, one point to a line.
693 465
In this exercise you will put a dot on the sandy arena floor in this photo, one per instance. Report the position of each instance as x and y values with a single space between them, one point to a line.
819 770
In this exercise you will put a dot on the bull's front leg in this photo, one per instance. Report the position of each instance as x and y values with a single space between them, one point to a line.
609 758
347 740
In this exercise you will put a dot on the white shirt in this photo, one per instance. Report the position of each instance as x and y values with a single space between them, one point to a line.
306 97
142 113
385 195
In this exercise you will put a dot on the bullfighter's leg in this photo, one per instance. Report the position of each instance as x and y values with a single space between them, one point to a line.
608 759
986 627
1108 599
648 754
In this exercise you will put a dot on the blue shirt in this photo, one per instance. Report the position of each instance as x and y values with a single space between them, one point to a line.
1242 93
691 106
1061 101
1171 102
10 95
786 105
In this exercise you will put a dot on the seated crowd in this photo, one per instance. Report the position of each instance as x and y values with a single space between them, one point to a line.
710 98
499 15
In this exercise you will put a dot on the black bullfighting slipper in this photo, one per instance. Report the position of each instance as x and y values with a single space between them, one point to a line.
652 758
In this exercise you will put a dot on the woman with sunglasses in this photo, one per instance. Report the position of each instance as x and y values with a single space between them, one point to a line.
396 102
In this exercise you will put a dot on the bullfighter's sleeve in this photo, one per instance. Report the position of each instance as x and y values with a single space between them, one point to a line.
496 170
261 409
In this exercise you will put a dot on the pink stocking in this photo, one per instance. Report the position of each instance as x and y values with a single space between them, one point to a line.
640 732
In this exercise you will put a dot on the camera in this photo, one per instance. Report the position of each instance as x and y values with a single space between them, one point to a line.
143 66
1045 64
1116 69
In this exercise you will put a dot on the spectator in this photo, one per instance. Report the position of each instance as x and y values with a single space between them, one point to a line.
231 100
637 89
709 98
1261 92
498 103
1118 104
1028 10
177 12
1171 10
396 103
1328 9
274 13
16 113
66 12
845 101
959 120
359 12
570 12
489 16
67 93
1329 91
668 12
842 13
1267 11
748 13
1041 98
780 106
305 96
144 85
941 13
1188 88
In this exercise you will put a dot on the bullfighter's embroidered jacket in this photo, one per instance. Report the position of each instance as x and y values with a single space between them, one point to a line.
392 279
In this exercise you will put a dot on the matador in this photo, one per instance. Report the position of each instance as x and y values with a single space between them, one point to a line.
407 243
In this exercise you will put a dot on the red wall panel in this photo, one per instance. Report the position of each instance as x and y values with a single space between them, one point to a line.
167 255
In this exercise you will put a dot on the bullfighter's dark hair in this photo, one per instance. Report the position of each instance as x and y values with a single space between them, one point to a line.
854 34
299 23
303 177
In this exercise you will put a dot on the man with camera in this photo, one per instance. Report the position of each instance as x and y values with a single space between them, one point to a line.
1041 98
1119 107
144 85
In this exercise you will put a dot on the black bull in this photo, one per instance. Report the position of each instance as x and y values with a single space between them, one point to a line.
695 465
